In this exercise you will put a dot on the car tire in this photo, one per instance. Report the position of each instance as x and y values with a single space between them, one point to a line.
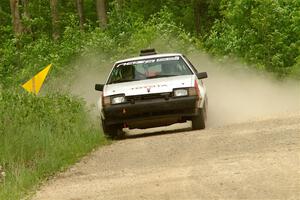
198 122
112 131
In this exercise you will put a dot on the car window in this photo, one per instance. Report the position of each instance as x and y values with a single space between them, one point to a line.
150 68
192 66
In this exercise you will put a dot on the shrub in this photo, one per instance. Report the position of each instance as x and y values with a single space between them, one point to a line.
39 136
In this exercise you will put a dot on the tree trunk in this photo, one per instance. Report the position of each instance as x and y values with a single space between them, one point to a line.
200 15
26 15
55 19
101 12
197 16
79 5
16 21
1 21
26 8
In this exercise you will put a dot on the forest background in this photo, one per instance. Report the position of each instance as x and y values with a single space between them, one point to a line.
40 135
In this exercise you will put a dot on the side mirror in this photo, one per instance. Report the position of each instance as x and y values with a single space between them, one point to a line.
202 75
99 87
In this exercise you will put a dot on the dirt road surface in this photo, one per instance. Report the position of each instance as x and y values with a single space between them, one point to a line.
259 159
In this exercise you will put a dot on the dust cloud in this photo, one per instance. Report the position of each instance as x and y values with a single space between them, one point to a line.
89 70
238 94
235 93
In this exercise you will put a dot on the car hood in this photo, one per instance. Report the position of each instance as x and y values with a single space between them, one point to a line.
149 86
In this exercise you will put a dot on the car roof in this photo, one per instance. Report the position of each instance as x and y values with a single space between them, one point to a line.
160 55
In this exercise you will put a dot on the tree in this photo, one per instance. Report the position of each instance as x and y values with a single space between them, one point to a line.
26 15
101 12
16 21
26 8
55 19
79 5
200 10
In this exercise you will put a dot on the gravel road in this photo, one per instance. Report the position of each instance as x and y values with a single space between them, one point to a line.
258 159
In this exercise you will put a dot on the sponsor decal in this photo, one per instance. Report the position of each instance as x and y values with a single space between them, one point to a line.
167 58
148 87
149 61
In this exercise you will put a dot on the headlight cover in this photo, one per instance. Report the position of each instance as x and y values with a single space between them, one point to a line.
117 99
180 92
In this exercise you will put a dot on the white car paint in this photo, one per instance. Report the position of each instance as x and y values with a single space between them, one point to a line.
149 86
155 85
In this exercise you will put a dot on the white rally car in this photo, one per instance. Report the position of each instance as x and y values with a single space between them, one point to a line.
152 90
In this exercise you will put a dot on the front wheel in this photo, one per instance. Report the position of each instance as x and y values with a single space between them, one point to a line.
198 122
112 131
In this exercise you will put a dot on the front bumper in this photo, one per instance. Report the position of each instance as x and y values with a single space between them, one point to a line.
148 110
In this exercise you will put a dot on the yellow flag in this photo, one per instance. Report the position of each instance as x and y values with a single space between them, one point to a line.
34 85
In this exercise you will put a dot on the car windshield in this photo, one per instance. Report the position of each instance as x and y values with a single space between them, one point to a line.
149 69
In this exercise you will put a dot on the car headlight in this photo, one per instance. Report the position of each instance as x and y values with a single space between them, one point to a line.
117 99
180 92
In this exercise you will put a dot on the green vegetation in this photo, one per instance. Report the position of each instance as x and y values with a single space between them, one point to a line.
263 32
40 135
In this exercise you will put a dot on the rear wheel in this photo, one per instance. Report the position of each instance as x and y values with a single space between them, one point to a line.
198 122
112 131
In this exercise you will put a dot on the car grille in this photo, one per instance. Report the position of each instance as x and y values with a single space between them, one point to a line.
135 98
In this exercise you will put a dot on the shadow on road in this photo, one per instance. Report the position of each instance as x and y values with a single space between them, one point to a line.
142 133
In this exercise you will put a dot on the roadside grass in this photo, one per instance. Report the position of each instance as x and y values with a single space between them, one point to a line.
40 135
